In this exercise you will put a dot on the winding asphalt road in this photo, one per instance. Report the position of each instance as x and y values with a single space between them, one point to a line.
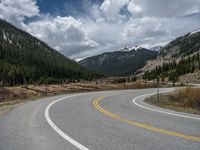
111 120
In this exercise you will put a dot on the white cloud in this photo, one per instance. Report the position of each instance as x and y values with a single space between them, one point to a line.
142 27
108 26
95 11
134 8
111 8
167 8
15 11
151 31
62 33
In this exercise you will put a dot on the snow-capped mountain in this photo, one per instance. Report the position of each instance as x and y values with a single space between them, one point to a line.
131 48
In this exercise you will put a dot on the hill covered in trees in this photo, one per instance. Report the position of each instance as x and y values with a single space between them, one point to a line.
118 63
181 56
25 59
173 70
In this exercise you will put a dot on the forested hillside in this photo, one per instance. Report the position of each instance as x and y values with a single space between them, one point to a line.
118 63
174 70
25 59
179 57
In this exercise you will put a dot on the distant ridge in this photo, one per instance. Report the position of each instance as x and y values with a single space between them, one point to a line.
123 62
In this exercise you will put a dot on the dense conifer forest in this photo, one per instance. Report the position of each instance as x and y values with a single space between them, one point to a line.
25 60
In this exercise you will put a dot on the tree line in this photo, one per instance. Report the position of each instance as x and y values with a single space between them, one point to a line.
173 70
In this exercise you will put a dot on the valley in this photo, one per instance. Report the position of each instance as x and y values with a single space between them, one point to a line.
99 75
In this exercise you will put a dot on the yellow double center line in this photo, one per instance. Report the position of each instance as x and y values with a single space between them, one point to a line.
141 125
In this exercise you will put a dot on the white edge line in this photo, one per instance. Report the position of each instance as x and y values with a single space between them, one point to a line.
59 131
160 111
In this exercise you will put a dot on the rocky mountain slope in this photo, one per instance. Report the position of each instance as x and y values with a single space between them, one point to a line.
178 58
181 47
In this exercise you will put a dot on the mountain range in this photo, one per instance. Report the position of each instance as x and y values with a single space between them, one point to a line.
140 60
25 59
123 62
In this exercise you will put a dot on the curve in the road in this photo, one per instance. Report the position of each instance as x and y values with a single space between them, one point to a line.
160 111
141 125
58 130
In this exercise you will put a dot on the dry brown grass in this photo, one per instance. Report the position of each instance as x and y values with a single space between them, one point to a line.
13 96
16 93
188 97
26 92
183 99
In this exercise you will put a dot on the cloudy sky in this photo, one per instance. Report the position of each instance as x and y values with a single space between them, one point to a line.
82 28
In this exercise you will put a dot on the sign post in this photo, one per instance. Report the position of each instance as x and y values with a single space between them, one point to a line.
158 92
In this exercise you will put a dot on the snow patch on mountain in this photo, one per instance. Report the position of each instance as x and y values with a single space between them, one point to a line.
78 59
6 38
136 48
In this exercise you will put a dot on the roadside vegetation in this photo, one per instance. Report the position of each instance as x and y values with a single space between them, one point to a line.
28 91
15 95
183 99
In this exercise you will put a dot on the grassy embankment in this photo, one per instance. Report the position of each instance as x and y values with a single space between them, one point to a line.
183 99
13 96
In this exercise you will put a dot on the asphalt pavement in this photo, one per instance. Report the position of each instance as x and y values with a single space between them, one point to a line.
110 120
